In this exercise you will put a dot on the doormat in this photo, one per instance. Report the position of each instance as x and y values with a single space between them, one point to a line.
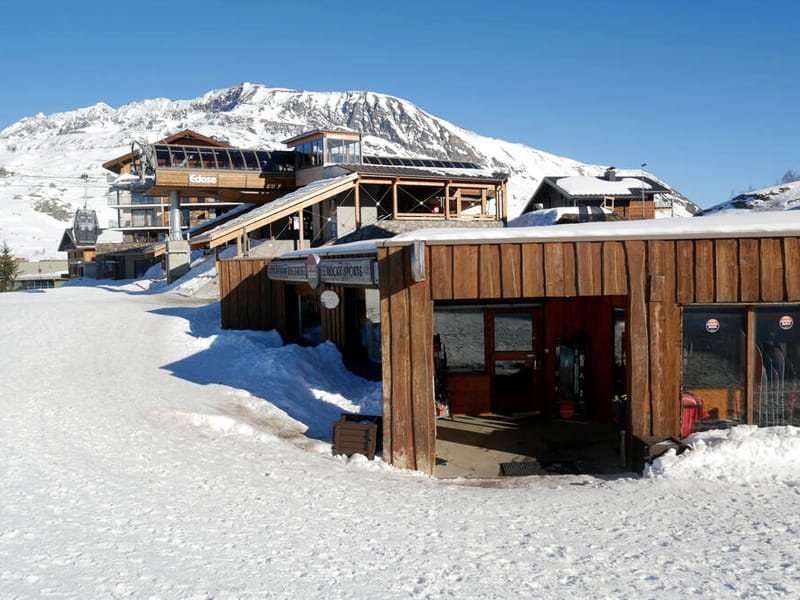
534 467
522 468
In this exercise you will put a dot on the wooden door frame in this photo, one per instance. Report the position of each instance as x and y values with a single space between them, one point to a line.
537 331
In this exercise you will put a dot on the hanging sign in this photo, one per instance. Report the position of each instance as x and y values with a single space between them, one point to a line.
786 322
347 271
329 299
312 270
287 270
712 326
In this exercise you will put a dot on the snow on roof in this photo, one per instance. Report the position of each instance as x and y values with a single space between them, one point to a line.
548 216
360 247
433 172
717 226
301 193
597 186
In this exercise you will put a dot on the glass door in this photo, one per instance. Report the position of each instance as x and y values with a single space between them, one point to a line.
513 357
776 384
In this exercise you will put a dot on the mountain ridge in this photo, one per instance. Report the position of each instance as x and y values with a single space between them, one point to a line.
46 155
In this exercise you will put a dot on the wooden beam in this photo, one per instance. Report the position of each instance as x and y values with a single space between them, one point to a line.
357 201
751 365
638 335
791 253
302 230
394 199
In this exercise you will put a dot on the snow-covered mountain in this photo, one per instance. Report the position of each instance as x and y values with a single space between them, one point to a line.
51 164
784 196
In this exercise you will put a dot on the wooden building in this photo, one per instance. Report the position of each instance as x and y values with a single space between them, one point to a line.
182 162
693 320
319 190
631 195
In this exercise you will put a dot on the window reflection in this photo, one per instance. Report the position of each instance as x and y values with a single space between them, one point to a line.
461 330
513 332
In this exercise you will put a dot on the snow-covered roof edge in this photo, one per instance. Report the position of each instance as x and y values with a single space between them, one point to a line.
711 227
311 189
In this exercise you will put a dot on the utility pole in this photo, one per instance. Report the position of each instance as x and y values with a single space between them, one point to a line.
641 181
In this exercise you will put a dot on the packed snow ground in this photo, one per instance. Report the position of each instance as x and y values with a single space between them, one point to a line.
145 453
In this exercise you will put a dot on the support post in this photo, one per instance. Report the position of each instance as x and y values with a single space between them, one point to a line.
178 251
357 200
174 216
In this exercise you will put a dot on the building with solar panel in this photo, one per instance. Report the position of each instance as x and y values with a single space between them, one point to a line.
322 189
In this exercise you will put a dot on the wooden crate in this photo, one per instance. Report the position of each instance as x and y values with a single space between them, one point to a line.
357 434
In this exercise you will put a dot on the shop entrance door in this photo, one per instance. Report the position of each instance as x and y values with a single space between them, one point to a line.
513 358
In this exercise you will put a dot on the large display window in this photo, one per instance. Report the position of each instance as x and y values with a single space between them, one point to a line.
776 366
740 365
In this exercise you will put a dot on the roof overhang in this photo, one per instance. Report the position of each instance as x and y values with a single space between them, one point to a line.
187 136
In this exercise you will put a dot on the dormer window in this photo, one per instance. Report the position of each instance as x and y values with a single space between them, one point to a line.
309 154
342 151
321 148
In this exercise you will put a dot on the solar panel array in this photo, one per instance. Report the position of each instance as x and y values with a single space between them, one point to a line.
396 161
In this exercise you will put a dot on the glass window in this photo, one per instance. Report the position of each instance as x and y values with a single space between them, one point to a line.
162 156
461 330
207 158
143 217
335 151
223 160
776 388
237 161
714 368
352 152
192 158
250 161
265 160
178 157
513 332
310 322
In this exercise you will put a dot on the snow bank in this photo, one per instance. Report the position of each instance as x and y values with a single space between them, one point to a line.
744 454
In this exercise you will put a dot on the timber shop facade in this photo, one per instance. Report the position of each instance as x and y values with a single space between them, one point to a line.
649 328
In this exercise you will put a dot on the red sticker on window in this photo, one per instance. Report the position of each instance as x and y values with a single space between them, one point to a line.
712 326
786 322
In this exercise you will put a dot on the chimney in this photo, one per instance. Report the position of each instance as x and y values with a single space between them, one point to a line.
611 174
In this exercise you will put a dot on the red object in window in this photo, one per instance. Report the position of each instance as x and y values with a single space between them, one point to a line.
692 411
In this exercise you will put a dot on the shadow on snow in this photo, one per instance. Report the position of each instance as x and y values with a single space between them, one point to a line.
310 384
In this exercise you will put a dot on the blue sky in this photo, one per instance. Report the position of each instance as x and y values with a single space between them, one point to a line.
705 91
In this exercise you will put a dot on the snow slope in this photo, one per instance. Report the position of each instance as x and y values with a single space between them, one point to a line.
148 454
44 156
785 196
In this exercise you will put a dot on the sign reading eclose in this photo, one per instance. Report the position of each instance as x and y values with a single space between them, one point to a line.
198 178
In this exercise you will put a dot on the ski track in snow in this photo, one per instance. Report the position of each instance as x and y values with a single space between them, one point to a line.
126 477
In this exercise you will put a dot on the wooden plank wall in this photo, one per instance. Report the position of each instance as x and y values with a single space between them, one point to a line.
407 362
333 321
567 318
657 277
248 298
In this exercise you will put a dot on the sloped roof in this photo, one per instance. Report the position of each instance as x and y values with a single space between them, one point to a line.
69 242
427 173
589 186
272 211
186 136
